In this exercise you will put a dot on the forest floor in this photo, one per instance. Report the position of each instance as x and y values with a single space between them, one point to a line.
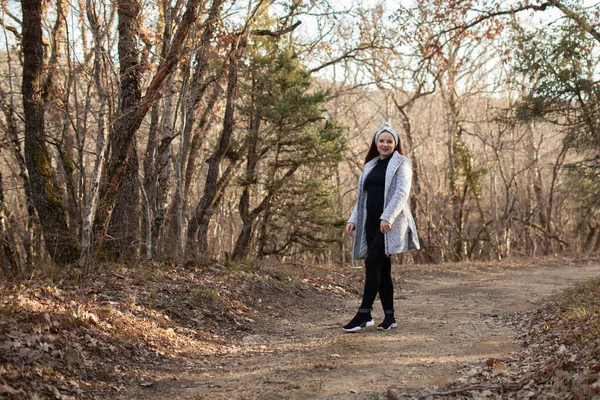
467 330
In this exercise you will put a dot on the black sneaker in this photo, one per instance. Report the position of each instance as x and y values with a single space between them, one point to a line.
360 320
387 324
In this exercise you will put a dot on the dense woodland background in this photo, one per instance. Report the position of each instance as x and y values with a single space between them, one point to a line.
197 130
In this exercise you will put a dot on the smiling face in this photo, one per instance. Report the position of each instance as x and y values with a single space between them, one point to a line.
385 144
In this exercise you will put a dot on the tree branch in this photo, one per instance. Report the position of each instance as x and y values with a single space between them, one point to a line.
490 15
281 32
11 29
350 53
578 18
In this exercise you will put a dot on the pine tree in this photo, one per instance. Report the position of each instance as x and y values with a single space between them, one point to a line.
292 150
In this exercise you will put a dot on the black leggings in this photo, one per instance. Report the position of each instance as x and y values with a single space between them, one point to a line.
378 270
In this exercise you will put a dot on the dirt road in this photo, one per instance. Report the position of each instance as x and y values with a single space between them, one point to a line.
449 317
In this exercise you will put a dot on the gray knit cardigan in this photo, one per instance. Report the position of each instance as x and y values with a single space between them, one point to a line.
403 235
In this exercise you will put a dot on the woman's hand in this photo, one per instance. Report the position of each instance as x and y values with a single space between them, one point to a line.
350 228
384 226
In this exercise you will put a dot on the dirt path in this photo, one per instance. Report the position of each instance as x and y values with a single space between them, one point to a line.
448 318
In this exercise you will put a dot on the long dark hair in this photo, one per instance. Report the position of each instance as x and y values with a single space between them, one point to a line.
372 153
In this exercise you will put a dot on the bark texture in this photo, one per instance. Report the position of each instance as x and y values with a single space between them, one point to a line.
60 242
124 227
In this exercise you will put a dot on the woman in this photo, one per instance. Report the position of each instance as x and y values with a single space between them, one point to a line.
381 224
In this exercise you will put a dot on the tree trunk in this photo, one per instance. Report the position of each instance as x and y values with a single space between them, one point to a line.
178 201
164 171
124 227
60 242
9 260
415 191
198 82
194 152
65 176
550 227
149 183
190 144
198 229
266 207
159 140
8 107
101 142
180 205
457 198
242 244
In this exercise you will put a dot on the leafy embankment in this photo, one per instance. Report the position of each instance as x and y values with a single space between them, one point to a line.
560 359
68 339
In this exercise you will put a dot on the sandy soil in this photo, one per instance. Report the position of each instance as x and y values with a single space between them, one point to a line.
449 317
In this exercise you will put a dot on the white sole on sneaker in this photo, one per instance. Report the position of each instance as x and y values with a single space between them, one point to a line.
393 325
358 328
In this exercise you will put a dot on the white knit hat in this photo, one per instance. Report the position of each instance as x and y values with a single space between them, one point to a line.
386 127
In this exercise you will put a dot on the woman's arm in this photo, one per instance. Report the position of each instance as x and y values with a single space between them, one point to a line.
354 215
399 198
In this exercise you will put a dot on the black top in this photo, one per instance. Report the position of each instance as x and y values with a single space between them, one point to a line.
375 187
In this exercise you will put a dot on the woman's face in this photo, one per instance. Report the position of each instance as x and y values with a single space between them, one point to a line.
385 144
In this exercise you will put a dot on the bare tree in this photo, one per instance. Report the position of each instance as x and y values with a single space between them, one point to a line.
99 68
198 228
126 124
9 109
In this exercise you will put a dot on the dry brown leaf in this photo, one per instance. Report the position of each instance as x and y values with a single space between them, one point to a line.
45 347
72 358
498 367
91 318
